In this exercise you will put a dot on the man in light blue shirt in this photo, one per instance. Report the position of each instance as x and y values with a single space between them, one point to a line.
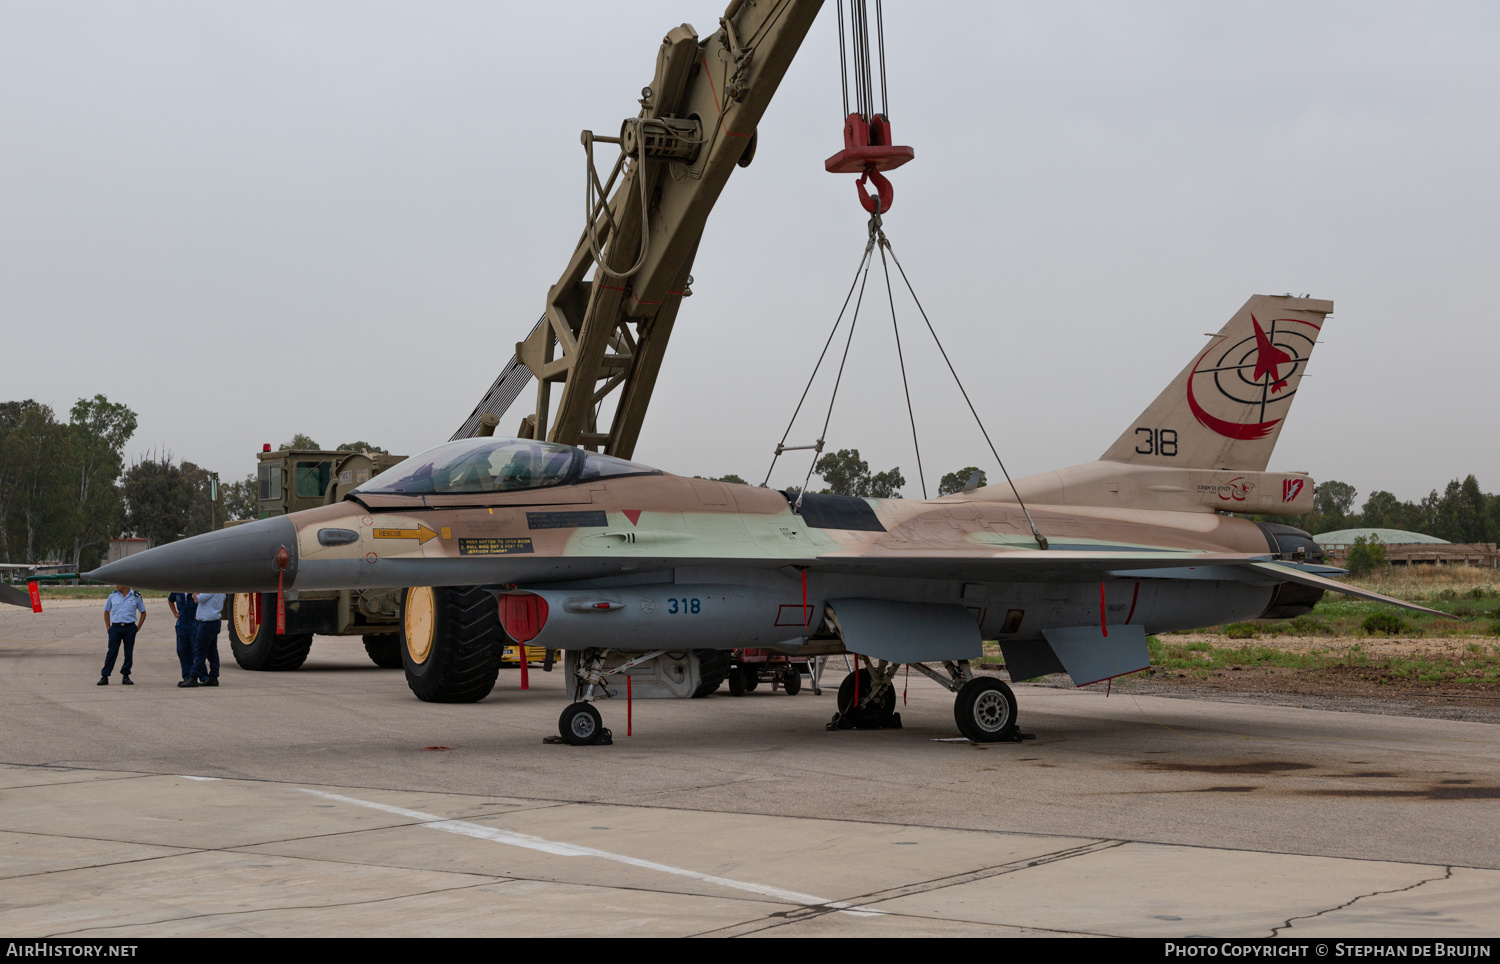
124 615
205 671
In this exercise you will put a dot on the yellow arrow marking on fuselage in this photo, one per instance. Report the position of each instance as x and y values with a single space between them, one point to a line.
421 533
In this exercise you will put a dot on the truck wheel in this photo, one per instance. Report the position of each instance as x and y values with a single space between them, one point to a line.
713 669
792 681
450 643
255 644
384 650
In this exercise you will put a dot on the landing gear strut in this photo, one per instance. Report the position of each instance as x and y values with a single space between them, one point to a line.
984 707
580 723
867 700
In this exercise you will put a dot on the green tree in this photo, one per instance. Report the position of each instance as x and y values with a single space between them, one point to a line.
1365 555
354 447
1382 511
955 481
204 514
240 499
731 477
1470 520
885 485
848 474
159 499
1332 502
100 428
34 494
299 441
844 471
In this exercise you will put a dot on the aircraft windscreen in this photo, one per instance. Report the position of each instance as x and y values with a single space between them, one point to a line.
479 465
497 465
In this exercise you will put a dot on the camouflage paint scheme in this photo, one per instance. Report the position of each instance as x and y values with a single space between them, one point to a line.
1136 540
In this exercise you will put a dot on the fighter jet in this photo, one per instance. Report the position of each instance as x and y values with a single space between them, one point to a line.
625 566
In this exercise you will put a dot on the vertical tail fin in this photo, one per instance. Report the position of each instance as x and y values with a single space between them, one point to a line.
1226 408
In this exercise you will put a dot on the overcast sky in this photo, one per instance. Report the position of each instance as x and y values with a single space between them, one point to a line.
249 220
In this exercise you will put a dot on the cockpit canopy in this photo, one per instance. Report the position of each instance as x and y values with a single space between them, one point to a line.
497 465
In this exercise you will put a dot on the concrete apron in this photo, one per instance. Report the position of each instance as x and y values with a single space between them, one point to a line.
114 854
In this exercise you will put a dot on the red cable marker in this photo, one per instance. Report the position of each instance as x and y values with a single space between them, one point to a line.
1102 627
629 707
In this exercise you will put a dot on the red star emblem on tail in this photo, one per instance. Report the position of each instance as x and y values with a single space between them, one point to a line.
1268 358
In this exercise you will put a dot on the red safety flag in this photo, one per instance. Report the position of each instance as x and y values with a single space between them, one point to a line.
280 606
36 596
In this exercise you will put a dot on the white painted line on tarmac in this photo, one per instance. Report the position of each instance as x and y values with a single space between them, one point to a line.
203 779
557 848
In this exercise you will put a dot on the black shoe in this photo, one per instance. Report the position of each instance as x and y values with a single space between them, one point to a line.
125 681
188 682
208 682
103 681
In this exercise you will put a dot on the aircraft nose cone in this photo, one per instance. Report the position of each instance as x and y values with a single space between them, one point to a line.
237 559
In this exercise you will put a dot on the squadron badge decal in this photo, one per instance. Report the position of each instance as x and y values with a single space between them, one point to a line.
1251 374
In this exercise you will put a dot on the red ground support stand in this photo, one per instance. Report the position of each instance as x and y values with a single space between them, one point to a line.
868 151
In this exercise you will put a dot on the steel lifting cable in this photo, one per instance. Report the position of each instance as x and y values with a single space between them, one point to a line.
853 322
782 446
1035 532
843 65
910 414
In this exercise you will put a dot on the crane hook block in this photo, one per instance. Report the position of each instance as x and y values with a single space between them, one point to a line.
868 151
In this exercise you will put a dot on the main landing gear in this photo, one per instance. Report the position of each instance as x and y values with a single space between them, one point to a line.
984 708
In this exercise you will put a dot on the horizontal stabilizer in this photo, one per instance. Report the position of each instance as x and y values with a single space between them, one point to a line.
1290 574
14 597
900 632
1091 657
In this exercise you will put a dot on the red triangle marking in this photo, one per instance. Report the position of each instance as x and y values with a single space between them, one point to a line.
634 515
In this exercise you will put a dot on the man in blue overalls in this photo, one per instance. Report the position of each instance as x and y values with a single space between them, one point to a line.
124 615
185 609
205 671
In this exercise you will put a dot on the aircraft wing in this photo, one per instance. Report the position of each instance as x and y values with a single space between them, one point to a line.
1050 565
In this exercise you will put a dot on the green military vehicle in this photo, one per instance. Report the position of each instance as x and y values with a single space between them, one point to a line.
288 481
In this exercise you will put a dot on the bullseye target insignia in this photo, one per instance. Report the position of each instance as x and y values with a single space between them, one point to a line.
1241 390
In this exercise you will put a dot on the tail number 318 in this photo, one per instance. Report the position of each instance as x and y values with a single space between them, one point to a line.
1158 441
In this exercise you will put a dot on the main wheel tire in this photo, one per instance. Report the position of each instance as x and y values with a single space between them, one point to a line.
792 681
870 715
384 650
713 668
580 724
985 710
255 644
450 643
